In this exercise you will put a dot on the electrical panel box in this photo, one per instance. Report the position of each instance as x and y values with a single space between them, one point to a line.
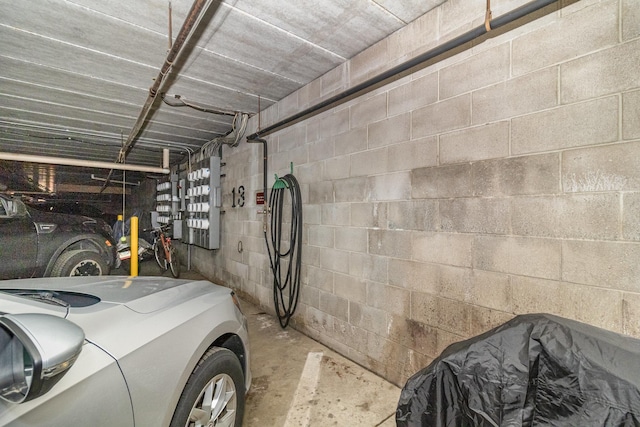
182 194
168 205
163 202
204 199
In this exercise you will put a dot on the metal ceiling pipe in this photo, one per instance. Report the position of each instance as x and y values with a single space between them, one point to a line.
77 162
378 80
165 158
198 9
98 178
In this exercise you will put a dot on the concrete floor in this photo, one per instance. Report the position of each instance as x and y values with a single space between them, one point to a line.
300 382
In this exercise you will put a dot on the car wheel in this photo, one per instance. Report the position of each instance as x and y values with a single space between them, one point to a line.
79 263
214 393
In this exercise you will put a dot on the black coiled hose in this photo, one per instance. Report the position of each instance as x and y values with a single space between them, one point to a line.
286 289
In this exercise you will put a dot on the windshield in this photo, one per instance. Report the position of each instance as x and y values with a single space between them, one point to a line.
59 298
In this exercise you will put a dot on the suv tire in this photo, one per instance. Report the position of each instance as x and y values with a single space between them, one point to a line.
80 263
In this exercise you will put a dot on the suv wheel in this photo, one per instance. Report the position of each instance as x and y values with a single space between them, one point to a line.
79 263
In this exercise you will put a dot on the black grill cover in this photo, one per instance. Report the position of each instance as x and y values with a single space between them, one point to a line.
535 370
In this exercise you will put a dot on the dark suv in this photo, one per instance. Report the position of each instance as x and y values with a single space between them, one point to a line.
35 243
103 220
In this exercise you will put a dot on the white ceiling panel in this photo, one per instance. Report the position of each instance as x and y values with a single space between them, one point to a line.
75 74
25 72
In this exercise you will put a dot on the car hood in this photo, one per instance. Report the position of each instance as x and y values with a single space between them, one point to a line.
57 218
140 294
40 214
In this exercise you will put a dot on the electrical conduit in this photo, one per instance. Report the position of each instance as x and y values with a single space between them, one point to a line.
364 87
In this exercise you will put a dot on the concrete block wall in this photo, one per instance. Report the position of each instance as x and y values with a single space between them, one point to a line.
502 180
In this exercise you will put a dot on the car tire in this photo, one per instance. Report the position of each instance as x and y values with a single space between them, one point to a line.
80 263
217 377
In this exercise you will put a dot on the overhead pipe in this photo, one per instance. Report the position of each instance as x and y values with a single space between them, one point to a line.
165 158
170 26
198 9
99 178
77 162
361 88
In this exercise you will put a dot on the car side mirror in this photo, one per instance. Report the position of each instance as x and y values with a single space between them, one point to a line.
35 352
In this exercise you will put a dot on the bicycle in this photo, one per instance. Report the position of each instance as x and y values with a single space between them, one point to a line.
165 253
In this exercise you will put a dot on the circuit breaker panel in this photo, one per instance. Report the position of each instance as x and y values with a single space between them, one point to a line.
164 201
168 206
204 199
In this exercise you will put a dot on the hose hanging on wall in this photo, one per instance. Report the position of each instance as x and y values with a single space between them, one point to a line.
286 289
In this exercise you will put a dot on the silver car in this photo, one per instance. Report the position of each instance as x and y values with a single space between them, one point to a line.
119 351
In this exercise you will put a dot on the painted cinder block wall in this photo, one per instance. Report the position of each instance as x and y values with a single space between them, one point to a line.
502 180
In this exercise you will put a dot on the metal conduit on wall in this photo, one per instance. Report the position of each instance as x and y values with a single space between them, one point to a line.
366 86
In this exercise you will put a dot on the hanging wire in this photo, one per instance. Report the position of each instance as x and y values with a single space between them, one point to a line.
232 138
178 101
487 17
124 178
286 290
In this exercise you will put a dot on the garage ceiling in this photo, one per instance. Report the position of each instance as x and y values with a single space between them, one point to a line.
76 73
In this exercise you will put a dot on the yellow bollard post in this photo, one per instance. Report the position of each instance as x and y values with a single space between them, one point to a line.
134 246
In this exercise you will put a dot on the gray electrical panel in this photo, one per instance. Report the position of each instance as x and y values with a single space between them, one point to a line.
168 206
204 199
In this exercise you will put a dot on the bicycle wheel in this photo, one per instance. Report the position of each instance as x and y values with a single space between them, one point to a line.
174 262
158 251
